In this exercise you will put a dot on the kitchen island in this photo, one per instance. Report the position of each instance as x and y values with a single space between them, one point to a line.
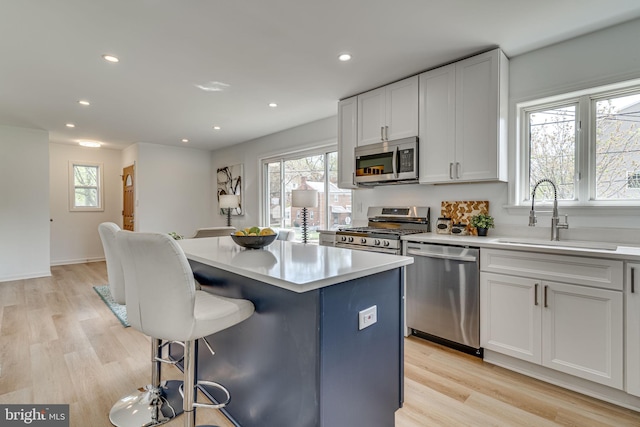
302 359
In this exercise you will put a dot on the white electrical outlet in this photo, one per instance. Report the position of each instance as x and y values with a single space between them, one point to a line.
367 317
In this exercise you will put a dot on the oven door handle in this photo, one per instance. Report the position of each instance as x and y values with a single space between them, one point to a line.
467 258
396 158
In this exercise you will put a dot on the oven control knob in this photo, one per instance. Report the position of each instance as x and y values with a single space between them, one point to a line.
343 238
386 243
363 240
350 239
377 242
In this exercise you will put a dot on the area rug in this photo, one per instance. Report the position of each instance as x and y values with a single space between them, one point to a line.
118 309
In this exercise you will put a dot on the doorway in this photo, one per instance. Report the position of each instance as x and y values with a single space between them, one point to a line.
128 198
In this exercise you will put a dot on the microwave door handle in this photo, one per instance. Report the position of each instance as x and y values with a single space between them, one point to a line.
396 159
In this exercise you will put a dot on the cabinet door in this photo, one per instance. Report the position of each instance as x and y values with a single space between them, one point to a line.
371 116
582 332
402 109
477 117
437 124
632 293
510 316
347 136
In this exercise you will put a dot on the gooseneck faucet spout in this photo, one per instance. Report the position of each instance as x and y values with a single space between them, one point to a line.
555 220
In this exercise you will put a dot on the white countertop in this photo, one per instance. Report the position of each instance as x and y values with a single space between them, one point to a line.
607 250
294 266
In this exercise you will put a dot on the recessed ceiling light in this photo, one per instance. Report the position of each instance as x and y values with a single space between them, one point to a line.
91 144
185 140
83 102
110 58
216 128
70 125
344 57
273 105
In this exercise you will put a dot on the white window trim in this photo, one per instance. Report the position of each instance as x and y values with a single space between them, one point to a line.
327 146
72 188
519 198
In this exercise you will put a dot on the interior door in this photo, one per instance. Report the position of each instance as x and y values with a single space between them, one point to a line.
128 197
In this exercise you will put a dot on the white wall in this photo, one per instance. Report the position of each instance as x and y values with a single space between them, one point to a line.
173 188
598 58
320 132
74 235
24 203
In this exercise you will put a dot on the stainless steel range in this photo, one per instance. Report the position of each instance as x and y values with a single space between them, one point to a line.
385 228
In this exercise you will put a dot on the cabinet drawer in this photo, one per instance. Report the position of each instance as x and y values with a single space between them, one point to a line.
596 272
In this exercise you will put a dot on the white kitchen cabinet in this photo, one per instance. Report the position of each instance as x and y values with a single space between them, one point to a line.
511 316
388 113
574 326
463 120
347 139
632 309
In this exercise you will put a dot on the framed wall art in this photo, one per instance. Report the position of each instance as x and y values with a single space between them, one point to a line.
230 182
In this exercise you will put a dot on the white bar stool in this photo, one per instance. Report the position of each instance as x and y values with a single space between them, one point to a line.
158 402
163 303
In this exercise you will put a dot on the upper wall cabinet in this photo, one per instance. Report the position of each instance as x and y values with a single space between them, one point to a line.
347 139
388 113
463 120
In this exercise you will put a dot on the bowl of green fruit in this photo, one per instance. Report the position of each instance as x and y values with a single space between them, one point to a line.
254 237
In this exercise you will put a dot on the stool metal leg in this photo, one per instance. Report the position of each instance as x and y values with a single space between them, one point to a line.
189 393
155 404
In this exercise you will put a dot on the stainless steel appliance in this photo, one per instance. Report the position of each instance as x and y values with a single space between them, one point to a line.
389 162
443 294
385 228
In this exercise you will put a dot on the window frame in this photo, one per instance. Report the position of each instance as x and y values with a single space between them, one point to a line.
321 149
585 179
99 187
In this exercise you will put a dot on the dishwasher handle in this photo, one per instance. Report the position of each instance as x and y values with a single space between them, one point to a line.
416 252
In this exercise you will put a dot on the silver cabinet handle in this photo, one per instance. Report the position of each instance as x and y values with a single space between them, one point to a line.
633 280
450 170
381 133
457 170
535 293
386 133
546 287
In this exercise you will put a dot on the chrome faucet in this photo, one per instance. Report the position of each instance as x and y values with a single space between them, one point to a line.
555 220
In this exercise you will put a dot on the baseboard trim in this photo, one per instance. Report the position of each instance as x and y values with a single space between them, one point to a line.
26 276
76 261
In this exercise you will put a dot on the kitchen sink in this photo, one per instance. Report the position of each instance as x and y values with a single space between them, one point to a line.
568 244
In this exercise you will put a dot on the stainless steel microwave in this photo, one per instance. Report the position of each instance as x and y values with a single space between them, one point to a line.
389 162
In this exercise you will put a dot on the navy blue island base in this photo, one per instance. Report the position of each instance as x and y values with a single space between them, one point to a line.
300 360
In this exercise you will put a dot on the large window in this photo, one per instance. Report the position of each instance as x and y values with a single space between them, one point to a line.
588 144
315 170
85 186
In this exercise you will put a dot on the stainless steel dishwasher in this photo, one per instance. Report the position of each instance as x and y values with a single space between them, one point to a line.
443 294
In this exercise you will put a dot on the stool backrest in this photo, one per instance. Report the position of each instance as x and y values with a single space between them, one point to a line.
107 231
160 286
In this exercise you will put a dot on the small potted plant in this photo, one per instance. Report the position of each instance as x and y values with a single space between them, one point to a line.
482 222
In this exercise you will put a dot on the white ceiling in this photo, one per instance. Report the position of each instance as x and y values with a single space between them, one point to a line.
282 51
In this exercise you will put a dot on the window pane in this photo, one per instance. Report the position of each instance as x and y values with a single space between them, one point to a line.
274 186
339 199
85 176
552 151
617 160
87 197
306 173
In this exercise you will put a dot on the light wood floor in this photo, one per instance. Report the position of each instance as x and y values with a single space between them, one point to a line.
59 343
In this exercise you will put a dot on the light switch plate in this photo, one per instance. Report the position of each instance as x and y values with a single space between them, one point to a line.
367 317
